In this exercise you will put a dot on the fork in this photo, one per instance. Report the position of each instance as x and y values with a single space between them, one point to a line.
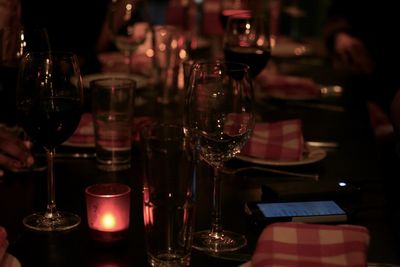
311 177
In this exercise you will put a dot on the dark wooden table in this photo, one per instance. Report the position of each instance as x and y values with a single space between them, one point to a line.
355 160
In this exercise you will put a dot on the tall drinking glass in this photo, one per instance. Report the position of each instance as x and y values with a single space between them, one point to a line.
219 119
49 106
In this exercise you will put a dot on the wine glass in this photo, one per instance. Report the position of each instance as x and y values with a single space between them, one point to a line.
129 26
231 7
49 106
218 119
246 40
21 40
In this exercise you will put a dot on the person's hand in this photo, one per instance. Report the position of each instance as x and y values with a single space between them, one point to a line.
14 152
3 242
351 54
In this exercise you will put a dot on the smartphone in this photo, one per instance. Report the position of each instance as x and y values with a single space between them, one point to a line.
325 211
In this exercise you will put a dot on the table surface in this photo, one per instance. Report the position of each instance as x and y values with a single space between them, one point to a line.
355 160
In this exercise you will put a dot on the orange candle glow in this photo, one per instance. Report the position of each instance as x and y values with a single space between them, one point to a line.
108 221
108 207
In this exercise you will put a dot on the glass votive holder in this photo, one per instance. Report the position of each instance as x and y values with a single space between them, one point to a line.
108 211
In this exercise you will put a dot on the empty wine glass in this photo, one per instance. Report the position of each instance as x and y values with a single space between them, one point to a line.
246 40
129 26
218 119
49 105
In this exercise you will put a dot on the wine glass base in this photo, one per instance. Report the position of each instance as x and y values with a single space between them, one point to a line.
60 222
228 241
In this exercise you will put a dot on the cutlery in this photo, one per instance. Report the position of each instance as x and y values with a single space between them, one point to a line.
327 107
322 144
310 177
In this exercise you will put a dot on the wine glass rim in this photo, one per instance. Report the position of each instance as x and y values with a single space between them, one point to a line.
239 66
105 82
245 14
241 13
57 53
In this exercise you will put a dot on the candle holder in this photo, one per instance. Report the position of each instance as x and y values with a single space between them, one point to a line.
108 211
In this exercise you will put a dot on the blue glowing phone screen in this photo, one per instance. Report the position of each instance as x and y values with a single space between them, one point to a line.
294 209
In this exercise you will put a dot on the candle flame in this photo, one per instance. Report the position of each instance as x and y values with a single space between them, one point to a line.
108 221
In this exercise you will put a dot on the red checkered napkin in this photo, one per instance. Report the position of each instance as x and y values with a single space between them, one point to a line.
288 87
311 245
236 123
282 140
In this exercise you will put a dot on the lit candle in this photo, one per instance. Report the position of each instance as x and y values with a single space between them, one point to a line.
108 210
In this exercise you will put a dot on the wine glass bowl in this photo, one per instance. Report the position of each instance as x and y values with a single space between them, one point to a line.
246 40
128 25
49 106
219 119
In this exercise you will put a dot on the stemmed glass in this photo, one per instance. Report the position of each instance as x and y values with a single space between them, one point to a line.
21 40
231 7
49 105
218 119
129 26
246 40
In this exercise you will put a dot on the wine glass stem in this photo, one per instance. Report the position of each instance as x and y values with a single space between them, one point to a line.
216 227
51 197
129 60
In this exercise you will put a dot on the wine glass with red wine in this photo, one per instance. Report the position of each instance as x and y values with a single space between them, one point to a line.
49 107
246 40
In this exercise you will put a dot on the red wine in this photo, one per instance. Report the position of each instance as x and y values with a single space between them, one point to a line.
256 58
50 121
8 83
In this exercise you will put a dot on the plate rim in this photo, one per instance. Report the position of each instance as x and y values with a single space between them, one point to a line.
319 154
140 84
79 145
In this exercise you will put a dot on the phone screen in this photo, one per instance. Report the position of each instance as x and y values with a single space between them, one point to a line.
296 209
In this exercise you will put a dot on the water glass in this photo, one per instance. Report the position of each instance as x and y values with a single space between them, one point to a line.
112 103
168 200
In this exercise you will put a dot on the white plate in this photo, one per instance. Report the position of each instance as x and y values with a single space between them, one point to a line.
140 79
10 261
315 154
76 144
